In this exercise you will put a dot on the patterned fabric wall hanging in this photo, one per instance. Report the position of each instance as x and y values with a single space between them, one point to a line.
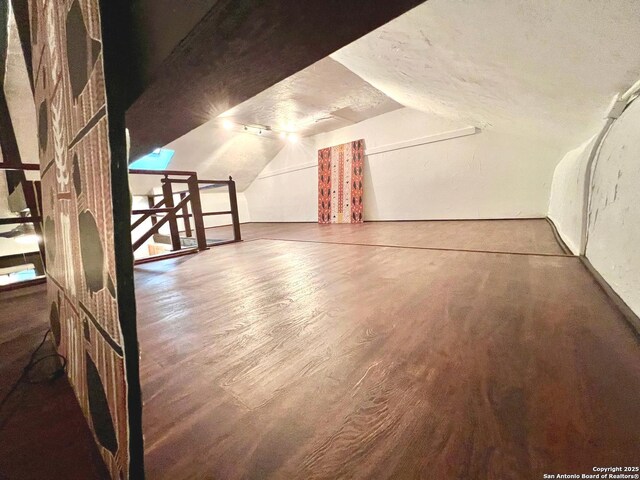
75 154
340 178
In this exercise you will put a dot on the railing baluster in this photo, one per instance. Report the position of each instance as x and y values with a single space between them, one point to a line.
235 217
151 202
185 218
196 210
167 191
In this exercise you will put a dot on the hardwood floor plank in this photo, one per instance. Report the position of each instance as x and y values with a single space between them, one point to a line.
308 360
532 236
45 434
286 360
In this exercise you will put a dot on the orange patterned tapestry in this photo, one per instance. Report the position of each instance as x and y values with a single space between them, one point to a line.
340 170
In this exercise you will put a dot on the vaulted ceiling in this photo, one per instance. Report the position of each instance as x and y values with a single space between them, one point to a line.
538 68
237 50
320 98
17 89
545 70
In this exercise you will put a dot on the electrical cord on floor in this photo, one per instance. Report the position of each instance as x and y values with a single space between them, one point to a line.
26 371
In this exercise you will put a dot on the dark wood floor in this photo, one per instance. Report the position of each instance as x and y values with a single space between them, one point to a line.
289 357
43 433
302 359
524 236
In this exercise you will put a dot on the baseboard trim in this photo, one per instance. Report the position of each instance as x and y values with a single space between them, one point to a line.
497 219
556 234
412 220
632 320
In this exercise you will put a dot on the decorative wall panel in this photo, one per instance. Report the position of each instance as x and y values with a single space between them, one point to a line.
76 167
340 176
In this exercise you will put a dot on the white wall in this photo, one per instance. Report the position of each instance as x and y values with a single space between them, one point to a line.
614 214
487 175
140 203
567 195
287 197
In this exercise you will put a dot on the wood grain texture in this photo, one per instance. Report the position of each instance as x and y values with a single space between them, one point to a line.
510 236
46 435
259 360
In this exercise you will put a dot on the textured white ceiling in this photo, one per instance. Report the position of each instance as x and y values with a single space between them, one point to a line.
544 68
19 98
323 97
215 153
320 98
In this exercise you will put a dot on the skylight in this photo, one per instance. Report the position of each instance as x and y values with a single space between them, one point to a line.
159 159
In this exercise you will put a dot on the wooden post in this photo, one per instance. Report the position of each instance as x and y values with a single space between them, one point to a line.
151 202
196 210
185 218
235 217
173 222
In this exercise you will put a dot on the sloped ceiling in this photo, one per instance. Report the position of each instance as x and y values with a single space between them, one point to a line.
20 99
159 26
237 50
542 68
320 98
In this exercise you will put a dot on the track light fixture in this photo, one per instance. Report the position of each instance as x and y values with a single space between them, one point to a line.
260 130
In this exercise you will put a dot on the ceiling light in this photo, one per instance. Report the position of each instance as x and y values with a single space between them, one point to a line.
283 135
293 138
227 124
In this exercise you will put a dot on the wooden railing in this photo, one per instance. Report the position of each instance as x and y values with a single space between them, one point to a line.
188 208
32 190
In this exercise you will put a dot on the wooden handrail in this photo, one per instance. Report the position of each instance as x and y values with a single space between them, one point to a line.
15 220
228 212
151 211
24 166
221 182
158 211
186 180
138 171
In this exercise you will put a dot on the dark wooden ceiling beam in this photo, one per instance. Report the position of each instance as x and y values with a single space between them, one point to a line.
240 48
